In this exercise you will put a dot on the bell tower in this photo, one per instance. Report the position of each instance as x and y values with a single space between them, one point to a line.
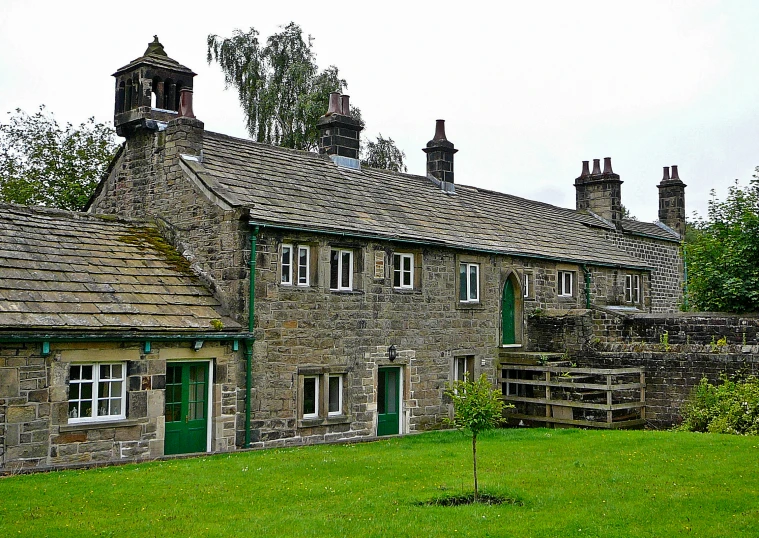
151 91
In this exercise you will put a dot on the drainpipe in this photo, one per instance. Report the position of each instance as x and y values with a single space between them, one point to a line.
587 286
685 277
249 342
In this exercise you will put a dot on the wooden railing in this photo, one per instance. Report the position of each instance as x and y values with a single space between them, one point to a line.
585 397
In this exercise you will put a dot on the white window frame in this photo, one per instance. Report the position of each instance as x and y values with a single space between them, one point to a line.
315 413
561 283
303 276
339 410
465 360
96 381
468 282
632 289
286 268
526 285
340 284
401 272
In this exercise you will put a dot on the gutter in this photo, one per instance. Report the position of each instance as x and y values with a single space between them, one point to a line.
251 325
445 245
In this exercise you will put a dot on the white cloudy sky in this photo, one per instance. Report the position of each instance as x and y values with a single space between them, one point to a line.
528 89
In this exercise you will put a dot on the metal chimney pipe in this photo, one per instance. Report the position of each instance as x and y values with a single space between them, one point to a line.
596 166
439 130
334 104
607 166
345 105
185 103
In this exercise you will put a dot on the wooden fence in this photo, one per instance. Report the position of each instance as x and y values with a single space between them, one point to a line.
585 397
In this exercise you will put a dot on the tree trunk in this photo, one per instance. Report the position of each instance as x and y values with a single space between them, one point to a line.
474 461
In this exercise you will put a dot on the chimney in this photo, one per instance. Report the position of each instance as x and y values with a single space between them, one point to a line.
600 191
185 103
339 132
440 157
672 200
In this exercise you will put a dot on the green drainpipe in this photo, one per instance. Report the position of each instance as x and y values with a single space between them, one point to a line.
249 342
587 286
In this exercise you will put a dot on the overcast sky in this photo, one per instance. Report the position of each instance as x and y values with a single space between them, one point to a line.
528 89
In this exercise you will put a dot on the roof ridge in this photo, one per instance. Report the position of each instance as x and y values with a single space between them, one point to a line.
6 208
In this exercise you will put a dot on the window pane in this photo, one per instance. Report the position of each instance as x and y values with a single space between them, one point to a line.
86 372
397 270
334 394
473 282
116 371
392 393
407 263
462 282
286 264
303 265
334 261
76 372
309 396
345 281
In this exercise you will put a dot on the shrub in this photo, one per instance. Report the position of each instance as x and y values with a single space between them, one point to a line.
731 407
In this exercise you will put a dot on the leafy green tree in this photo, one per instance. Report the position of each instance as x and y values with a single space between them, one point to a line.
42 163
281 90
383 154
477 407
722 253
283 93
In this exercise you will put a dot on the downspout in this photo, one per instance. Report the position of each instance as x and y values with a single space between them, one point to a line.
685 277
587 286
251 324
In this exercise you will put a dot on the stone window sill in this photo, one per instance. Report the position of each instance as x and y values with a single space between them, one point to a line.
461 305
98 425
321 421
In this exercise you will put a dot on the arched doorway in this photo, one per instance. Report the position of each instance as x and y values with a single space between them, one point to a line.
511 312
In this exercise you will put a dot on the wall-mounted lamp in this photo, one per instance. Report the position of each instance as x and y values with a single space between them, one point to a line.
197 345
392 353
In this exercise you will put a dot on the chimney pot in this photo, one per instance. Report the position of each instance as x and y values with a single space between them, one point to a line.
185 103
665 177
345 105
334 104
585 169
675 174
439 130
607 166
596 166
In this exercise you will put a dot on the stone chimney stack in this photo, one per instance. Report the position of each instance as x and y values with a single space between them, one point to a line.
440 157
672 200
600 191
339 132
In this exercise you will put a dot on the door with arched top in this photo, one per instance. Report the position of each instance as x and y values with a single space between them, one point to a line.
508 314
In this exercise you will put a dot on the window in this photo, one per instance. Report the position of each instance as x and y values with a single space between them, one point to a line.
96 392
463 366
565 283
632 288
469 282
341 270
287 264
403 271
527 285
299 266
310 397
335 388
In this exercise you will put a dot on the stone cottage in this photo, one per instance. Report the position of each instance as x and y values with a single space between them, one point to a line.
111 348
366 291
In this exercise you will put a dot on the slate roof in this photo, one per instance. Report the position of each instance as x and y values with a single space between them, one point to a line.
298 189
68 271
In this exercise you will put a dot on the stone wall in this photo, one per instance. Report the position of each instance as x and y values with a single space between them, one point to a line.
34 391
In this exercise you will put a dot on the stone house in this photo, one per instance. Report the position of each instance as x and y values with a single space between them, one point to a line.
366 291
111 349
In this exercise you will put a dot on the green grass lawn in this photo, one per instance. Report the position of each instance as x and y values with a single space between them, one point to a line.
571 483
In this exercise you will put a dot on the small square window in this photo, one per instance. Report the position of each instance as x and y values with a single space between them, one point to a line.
97 392
632 288
310 397
295 265
335 387
469 282
341 270
403 271
565 281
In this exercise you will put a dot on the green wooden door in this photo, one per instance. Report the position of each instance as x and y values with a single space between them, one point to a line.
508 335
388 401
186 407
